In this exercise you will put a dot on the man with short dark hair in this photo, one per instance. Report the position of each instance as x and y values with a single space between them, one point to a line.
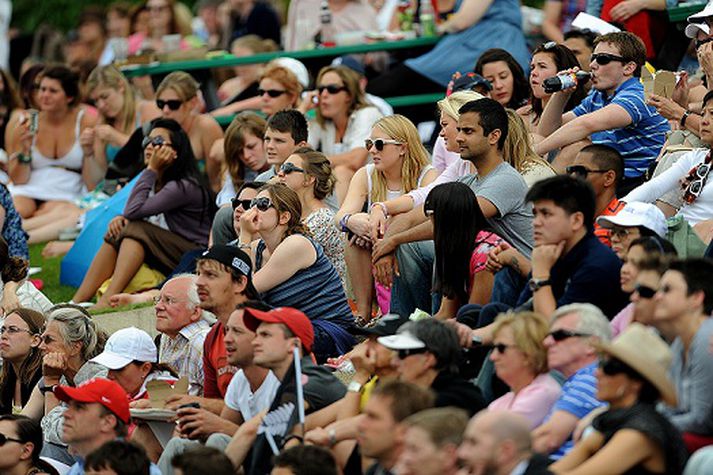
286 131
305 460
118 457
581 44
202 461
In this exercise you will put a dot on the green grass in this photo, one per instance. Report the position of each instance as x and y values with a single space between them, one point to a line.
50 275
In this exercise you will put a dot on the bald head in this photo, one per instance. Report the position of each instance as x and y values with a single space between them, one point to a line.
505 425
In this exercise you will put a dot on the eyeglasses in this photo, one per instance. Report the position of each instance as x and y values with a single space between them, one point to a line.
155 141
331 88
173 104
262 204
238 202
620 233
644 291
562 334
288 168
502 347
46 339
613 366
603 59
379 143
13 330
581 171
167 300
5 439
270 92
403 354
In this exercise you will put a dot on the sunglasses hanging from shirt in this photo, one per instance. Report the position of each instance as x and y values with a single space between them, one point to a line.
695 181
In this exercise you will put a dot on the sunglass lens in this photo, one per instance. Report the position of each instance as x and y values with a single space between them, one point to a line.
645 292
577 170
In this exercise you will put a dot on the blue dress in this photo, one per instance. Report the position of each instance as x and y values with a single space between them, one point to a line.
12 231
500 27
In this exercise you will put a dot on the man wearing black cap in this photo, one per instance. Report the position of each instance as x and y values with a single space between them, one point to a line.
224 281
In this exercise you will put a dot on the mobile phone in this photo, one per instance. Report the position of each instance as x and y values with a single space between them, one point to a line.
190 404
34 120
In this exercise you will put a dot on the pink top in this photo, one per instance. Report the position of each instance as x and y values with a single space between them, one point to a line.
533 402
442 158
454 171
137 39
622 320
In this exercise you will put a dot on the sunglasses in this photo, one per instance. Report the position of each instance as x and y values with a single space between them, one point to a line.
155 141
581 171
502 347
262 204
238 202
603 59
644 291
331 88
620 233
173 104
562 334
380 143
288 168
613 366
270 92
13 330
403 354
5 439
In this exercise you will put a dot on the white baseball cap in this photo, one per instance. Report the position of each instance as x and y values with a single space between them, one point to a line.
697 21
127 345
637 214
401 341
295 67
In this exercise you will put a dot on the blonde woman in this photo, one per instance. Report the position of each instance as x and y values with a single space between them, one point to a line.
520 359
177 98
519 153
400 165
279 89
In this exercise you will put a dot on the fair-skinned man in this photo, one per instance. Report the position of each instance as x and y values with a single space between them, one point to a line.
183 329
569 351
615 114
286 131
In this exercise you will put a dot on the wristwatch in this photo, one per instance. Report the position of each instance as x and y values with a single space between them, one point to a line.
537 284
684 117
354 387
343 222
45 389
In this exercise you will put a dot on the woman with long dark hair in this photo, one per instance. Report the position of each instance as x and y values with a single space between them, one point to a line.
21 357
169 213
506 75
20 451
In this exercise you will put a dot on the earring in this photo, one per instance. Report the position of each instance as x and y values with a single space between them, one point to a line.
620 391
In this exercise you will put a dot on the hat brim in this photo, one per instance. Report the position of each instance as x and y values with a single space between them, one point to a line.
653 373
253 318
692 29
702 15
112 360
401 341
68 393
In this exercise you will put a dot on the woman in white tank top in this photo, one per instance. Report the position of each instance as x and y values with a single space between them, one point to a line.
400 164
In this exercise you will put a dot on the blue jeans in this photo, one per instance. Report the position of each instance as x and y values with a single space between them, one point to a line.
507 287
411 289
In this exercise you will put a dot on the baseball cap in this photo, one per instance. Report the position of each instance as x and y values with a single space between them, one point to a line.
637 214
103 391
295 67
296 321
127 345
387 325
349 62
401 341
230 256
697 21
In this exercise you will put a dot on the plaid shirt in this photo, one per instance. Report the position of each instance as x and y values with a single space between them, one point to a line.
184 354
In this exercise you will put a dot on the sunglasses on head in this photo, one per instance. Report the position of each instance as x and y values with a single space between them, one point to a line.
270 92
562 334
644 291
5 439
288 168
238 202
603 59
173 104
155 141
262 204
403 354
581 171
331 88
379 143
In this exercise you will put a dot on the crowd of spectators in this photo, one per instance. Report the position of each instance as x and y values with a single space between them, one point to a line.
510 280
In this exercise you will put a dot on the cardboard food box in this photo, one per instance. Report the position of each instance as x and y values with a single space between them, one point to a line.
661 83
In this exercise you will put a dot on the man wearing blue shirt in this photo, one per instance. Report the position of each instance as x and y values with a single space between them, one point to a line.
614 113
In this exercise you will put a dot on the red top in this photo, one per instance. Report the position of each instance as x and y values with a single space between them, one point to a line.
612 209
648 25
216 369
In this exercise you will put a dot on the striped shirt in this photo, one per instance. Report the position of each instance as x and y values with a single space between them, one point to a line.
640 142
579 399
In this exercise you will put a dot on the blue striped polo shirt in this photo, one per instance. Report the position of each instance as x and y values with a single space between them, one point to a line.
640 142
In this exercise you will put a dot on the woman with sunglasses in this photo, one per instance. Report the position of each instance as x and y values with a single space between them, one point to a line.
292 270
70 340
631 436
21 358
400 164
520 359
279 89
309 174
168 213
177 98
20 447
640 250
344 119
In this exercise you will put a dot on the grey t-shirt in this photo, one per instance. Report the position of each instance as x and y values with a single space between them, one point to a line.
506 189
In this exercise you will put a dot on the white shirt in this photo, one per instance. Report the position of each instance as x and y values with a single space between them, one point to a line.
239 397
358 129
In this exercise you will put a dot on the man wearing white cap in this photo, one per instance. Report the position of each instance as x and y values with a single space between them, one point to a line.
635 220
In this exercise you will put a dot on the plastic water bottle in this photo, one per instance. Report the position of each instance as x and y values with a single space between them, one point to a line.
327 32
427 19
565 81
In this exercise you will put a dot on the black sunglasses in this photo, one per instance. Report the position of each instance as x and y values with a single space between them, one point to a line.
262 204
562 334
288 168
644 291
331 88
173 104
238 202
502 347
379 144
613 366
581 171
403 354
155 141
270 92
5 439
603 59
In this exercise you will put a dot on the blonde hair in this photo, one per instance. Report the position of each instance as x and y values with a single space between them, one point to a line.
517 150
109 76
254 43
317 165
182 83
529 330
416 157
351 83
182 18
284 199
285 77
450 105
234 143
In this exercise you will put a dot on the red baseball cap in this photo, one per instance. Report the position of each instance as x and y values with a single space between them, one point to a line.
103 391
296 321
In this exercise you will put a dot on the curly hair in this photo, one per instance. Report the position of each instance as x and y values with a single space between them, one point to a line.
317 165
